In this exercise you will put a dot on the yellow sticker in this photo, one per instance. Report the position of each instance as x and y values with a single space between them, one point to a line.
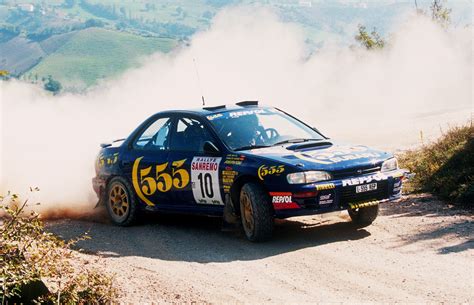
146 184
265 170
363 204
327 186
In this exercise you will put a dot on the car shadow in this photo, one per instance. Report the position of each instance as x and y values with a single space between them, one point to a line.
428 206
200 239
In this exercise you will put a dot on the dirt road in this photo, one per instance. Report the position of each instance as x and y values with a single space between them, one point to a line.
418 250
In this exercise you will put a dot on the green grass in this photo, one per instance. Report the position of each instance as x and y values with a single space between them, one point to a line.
445 167
93 54
165 10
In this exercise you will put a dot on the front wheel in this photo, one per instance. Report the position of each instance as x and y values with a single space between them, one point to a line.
256 213
120 202
363 217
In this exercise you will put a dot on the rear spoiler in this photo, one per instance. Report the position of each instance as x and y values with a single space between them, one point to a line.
104 145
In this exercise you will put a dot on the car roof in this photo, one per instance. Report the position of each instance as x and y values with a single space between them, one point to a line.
208 110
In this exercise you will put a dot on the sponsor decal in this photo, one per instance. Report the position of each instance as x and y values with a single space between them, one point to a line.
283 200
363 204
236 114
232 159
158 178
325 199
228 178
205 180
265 170
214 116
397 186
365 179
326 186
338 154
109 160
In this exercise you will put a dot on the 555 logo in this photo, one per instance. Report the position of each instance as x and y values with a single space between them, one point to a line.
266 170
147 181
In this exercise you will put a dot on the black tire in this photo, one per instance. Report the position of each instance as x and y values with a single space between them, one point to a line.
120 202
363 217
256 213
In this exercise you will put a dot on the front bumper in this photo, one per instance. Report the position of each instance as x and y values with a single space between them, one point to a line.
336 195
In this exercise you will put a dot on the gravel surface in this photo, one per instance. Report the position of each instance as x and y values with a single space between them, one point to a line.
418 250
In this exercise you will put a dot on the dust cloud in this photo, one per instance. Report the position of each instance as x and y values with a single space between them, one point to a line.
421 82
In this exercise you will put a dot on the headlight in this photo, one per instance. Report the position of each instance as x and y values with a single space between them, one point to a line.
389 165
308 177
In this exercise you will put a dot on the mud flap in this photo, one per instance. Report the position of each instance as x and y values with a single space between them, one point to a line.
100 201
230 220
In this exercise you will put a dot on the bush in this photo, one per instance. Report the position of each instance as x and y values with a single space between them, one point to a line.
445 167
31 257
52 85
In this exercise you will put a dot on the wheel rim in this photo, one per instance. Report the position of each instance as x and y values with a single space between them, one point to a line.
118 202
247 213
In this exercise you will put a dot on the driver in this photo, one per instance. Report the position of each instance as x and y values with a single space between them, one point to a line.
246 131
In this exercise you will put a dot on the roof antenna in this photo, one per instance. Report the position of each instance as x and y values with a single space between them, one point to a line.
199 82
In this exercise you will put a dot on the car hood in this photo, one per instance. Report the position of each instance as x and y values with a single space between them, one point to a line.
322 155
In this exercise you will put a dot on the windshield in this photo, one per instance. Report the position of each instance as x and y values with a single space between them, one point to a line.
253 128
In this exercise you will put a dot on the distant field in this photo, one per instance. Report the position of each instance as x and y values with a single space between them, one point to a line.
189 13
95 53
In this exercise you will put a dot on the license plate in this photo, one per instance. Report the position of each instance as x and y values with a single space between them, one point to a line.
366 187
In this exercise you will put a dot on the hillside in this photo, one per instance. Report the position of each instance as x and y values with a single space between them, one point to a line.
95 53
37 37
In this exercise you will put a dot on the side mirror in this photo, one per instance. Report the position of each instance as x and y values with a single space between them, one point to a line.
210 148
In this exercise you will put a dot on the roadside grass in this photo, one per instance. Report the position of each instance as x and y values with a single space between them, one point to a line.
444 167
38 267
95 53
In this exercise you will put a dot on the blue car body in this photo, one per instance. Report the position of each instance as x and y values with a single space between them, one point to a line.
199 182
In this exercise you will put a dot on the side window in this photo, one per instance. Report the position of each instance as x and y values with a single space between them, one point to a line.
155 137
190 135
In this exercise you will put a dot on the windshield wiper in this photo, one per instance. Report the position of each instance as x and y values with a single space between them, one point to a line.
251 147
294 141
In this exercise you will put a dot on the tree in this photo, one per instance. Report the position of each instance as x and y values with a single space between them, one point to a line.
369 41
4 75
92 22
52 85
440 14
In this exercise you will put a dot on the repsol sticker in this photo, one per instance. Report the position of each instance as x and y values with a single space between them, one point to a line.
365 179
283 200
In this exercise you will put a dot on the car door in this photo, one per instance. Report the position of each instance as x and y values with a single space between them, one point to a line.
202 169
146 162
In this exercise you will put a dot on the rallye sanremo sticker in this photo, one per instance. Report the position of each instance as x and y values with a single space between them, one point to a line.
205 180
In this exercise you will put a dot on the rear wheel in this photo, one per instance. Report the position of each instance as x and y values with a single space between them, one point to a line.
120 202
256 213
363 217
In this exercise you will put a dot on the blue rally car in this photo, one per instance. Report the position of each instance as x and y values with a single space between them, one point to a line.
244 162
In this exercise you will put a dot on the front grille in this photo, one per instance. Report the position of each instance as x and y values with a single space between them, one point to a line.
356 171
349 195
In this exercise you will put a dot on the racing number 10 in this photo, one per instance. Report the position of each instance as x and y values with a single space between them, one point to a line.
205 181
